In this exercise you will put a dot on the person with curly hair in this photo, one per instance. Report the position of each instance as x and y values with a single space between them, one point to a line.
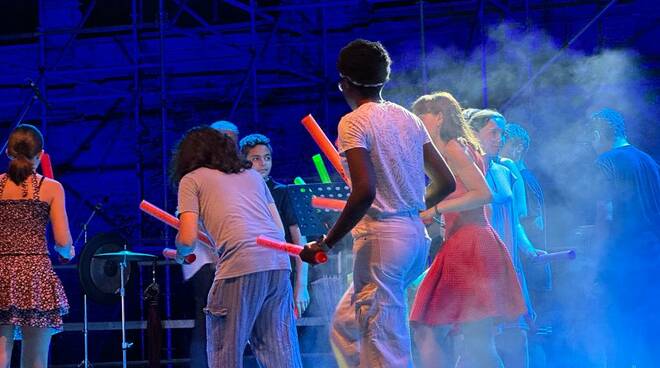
251 296
32 298
387 150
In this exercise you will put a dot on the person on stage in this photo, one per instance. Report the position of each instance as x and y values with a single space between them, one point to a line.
386 150
199 276
32 299
628 236
471 283
256 148
251 296
509 203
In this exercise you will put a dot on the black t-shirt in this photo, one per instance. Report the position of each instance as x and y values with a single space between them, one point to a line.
630 179
284 207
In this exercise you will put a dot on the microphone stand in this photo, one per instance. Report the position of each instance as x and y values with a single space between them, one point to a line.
83 233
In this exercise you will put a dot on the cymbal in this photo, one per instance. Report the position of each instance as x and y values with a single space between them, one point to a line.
126 255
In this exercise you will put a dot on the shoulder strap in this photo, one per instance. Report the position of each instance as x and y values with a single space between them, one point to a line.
3 182
37 187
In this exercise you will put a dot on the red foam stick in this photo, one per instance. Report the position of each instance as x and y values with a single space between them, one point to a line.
170 220
47 166
170 253
328 203
556 256
325 145
292 249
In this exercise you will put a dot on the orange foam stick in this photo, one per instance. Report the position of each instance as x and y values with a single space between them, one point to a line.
47 166
328 203
292 249
170 253
170 220
325 145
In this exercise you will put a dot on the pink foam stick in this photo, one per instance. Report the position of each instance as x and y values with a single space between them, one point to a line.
325 145
292 249
170 253
328 203
170 220
556 256
47 166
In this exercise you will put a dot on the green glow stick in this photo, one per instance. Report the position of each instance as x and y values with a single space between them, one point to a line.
320 167
298 181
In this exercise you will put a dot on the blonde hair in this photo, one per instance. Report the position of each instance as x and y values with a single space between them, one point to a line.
454 125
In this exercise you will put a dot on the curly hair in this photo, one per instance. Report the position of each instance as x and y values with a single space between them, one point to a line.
454 125
24 145
205 147
250 141
612 120
515 131
365 64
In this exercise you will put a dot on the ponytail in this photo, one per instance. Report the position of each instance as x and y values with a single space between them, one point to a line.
25 143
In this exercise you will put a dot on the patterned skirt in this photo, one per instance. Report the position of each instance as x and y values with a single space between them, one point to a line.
31 294
471 278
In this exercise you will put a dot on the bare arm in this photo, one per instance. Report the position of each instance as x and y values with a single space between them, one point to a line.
187 235
443 182
467 171
362 195
300 291
60 222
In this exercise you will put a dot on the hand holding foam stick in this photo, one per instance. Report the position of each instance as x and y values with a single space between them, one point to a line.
328 203
566 255
170 253
293 249
325 145
170 220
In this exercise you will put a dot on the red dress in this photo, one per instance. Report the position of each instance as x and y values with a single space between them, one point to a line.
471 277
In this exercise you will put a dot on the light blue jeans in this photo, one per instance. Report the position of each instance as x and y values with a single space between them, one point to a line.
370 325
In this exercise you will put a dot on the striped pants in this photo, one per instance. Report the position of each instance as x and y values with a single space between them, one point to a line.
258 307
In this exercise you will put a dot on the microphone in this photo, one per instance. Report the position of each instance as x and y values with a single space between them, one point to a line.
100 204
37 92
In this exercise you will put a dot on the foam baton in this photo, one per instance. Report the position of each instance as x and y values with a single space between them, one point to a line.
325 145
170 220
170 253
328 203
292 249
556 256
47 166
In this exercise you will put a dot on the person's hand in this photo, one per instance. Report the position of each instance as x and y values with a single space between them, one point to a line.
66 254
311 249
428 216
535 252
301 298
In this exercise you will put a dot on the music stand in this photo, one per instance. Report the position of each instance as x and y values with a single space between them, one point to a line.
314 222
327 281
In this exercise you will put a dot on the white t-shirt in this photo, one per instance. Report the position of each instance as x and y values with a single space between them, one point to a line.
394 138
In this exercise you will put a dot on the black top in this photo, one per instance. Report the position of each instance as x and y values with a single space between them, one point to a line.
630 179
284 207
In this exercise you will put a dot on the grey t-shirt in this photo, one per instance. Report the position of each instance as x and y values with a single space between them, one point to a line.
234 211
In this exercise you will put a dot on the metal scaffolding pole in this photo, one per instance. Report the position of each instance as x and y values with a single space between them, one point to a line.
422 36
556 56
253 72
162 17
